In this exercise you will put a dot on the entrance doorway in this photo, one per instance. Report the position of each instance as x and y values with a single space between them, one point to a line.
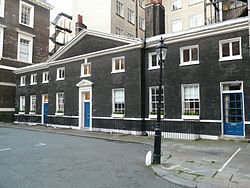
45 109
86 109
85 104
233 109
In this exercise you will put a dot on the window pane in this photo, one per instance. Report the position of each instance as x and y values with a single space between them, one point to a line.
225 50
186 55
236 48
25 16
154 62
194 52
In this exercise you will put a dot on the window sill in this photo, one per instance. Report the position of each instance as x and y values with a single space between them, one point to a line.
194 117
231 58
33 84
154 116
26 25
190 63
117 115
32 112
121 16
59 114
154 68
45 82
114 72
85 76
59 79
22 85
21 112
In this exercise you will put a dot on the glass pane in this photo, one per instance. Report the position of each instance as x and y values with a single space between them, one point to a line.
194 52
154 62
225 50
236 48
186 55
87 96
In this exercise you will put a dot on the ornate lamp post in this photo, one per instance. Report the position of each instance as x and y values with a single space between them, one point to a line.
161 51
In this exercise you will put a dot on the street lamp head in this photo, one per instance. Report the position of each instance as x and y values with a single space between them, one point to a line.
161 49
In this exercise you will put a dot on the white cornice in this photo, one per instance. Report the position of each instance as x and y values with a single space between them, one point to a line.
45 65
42 4
85 32
34 67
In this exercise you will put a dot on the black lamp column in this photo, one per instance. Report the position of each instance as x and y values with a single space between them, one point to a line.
161 51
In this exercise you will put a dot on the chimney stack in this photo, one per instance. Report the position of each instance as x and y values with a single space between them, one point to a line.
79 26
154 18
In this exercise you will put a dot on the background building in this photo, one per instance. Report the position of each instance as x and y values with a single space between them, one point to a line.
182 15
120 17
24 40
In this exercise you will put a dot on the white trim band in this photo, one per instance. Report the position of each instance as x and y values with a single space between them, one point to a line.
7 84
7 109
7 67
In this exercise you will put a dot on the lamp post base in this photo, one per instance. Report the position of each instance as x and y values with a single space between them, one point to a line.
157 147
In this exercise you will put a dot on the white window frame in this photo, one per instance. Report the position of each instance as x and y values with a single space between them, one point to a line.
32 105
119 30
150 60
31 14
230 57
176 5
1 41
190 62
183 107
196 20
45 77
131 35
150 102
33 79
22 105
2 8
113 102
58 77
119 8
142 4
22 80
30 39
57 104
131 16
174 22
141 23
88 64
122 58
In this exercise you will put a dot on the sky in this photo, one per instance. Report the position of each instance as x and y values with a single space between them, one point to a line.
60 6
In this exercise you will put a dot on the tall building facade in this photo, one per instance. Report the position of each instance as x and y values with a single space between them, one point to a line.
24 40
182 15
122 17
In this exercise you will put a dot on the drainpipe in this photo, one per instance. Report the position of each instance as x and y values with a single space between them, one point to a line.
248 7
143 89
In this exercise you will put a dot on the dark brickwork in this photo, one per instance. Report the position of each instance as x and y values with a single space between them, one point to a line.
40 31
208 74
155 19
90 44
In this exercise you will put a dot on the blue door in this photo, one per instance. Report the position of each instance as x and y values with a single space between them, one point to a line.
45 112
233 114
86 114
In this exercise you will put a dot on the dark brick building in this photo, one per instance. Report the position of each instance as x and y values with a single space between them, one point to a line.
108 83
24 37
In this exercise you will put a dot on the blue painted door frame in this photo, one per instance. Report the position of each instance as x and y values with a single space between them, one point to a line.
233 114
86 115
